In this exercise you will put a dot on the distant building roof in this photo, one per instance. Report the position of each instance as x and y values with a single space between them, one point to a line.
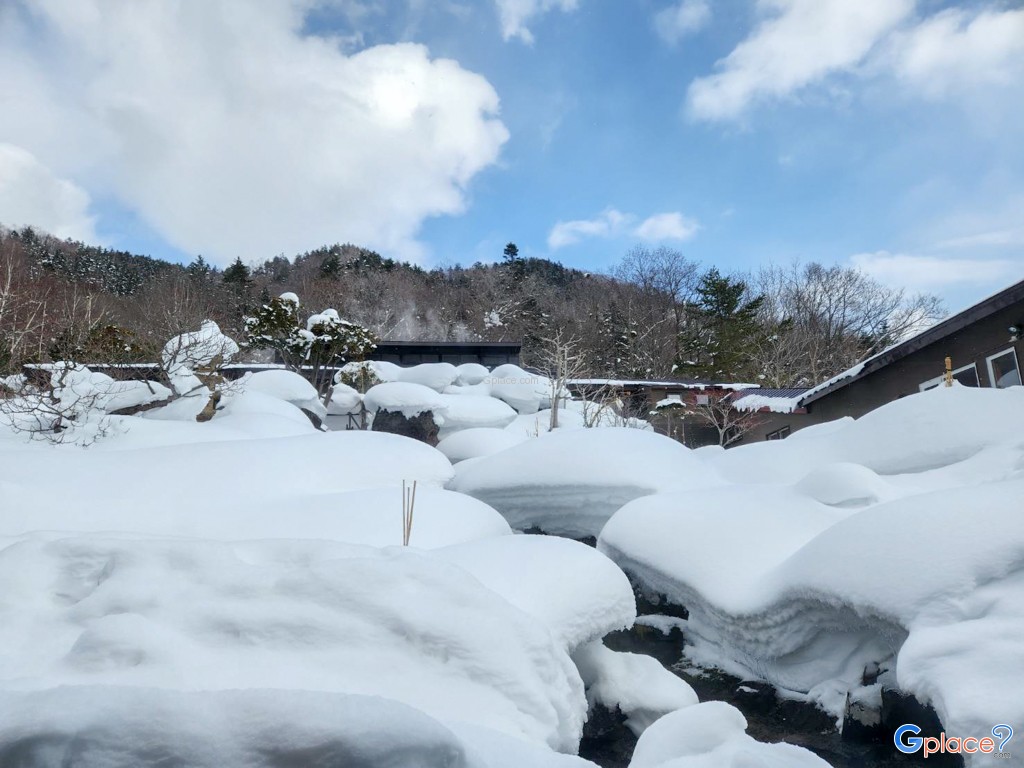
941 330
655 384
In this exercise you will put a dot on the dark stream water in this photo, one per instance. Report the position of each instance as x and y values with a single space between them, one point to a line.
610 744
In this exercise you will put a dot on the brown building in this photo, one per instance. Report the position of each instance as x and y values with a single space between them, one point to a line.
985 343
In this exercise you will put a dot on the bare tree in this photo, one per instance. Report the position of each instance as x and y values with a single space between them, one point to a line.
561 359
822 320
715 409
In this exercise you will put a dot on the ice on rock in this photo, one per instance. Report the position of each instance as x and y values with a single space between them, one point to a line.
571 481
473 443
713 735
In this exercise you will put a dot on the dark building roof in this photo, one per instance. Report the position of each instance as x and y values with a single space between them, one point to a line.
489 353
784 393
939 331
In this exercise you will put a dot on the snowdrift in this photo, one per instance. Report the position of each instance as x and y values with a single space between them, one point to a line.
896 540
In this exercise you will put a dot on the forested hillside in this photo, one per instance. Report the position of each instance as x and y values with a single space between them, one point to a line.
658 314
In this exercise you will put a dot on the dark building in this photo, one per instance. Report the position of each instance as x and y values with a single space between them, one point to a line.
488 353
985 344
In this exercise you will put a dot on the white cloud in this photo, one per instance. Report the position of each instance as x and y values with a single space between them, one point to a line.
799 43
681 19
612 223
932 273
953 50
609 223
667 226
515 14
232 132
802 43
30 195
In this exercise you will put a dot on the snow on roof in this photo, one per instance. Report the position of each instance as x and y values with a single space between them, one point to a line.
774 400
667 384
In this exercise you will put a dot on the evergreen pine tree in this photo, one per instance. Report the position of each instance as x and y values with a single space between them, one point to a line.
720 331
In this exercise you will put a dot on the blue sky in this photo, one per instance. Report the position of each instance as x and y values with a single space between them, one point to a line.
884 134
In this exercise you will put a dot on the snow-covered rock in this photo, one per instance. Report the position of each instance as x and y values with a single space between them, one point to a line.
524 391
289 387
577 592
713 735
159 616
637 685
471 373
437 376
405 398
571 481
473 443
472 411
886 541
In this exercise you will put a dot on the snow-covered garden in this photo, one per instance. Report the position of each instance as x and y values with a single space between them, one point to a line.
234 591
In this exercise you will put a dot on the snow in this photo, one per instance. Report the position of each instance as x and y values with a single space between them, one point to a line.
636 685
471 373
620 383
287 386
525 391
569 482
403 397
437 376
184 354
713 735
772 404
480 441
99 727
894 540
184 616
473 411
344 400
593 597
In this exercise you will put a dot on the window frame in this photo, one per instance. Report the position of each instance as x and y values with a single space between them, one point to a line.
777 434
924 386
1011 350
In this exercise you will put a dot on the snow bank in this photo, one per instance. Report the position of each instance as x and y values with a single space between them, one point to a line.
210 618
201 489
406 398
894 541
577 592
713 735
570 482
91 726
344 400
471 443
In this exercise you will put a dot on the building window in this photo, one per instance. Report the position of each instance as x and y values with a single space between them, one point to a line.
968 376
1003 370
778 434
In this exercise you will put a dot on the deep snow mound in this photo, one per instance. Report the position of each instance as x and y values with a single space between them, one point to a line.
570 482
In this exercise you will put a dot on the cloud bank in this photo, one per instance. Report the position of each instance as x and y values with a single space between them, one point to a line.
232 131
